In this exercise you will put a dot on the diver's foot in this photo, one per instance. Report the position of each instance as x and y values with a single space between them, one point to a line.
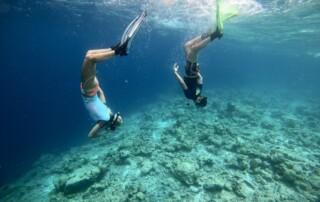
219 26
121 49
124 50
114 47
217 30
216 34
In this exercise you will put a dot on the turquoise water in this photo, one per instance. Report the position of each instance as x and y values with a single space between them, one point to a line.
265 68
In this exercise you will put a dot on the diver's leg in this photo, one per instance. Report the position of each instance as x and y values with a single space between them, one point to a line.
192 47
196 44
199 42
99 55
88 76
99 51
88 72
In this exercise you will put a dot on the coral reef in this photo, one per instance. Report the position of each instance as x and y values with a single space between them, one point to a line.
257 147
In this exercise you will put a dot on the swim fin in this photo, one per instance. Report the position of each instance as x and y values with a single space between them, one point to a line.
224 13
131 30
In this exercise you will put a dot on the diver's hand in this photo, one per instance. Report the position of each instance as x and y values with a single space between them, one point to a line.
175 68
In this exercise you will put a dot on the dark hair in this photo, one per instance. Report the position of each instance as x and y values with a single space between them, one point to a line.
202 102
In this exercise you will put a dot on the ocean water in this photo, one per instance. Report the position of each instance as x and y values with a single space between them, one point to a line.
271 49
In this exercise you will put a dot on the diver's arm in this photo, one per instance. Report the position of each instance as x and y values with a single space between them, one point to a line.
93 133
199 79
180 80
101 96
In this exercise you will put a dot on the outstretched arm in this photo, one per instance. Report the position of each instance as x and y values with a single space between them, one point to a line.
101 96
180 80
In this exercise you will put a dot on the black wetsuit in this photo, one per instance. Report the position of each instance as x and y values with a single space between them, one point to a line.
191 69
194 89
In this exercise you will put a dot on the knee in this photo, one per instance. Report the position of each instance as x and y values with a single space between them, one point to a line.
89 55
187 49
89 52
186 46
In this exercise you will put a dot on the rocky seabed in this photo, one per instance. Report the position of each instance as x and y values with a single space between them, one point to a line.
244 146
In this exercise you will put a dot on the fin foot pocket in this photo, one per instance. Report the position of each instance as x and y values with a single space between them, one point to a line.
131 31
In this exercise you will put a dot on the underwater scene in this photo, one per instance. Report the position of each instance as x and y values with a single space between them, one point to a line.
250 130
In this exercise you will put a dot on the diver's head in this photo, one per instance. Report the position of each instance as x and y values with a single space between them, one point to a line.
201 101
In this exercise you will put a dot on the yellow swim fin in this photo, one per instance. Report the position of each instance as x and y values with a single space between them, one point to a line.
224 12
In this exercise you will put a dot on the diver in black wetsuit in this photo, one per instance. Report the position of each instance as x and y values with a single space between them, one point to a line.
192 80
